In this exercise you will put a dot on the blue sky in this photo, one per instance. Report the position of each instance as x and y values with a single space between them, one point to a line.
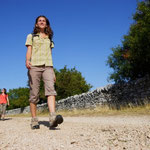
84 33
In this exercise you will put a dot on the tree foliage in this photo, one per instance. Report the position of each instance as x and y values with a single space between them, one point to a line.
19 98
131 60
70 82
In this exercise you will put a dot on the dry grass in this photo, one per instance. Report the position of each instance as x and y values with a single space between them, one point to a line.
106 111
98 111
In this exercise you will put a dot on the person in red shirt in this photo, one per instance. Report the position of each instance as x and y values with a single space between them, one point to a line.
3 103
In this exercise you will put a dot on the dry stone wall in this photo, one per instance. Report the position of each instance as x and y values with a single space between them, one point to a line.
115 95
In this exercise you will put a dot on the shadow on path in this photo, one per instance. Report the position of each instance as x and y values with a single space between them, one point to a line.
5 119
46 123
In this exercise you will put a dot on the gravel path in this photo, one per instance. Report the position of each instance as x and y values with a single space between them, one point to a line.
77 133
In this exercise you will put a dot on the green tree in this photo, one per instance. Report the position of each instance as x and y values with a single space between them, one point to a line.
131 60
19 98
70 82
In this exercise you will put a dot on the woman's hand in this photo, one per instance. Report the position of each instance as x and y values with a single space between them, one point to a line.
28 64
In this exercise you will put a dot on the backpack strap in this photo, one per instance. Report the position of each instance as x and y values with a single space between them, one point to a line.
33 35
52 44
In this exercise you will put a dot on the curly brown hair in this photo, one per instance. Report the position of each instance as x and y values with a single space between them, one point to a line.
48 29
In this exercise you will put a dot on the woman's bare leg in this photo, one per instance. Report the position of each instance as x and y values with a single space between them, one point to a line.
33 110
51 103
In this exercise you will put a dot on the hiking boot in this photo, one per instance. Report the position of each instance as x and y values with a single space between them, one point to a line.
34 123
2 118
55 120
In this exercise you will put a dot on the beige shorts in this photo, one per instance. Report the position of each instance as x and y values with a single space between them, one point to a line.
35 74
2 109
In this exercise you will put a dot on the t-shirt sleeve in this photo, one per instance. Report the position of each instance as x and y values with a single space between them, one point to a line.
29 40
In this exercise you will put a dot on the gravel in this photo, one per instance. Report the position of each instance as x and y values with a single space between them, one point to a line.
77 133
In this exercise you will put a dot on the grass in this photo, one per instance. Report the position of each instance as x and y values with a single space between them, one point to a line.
106 111
98 111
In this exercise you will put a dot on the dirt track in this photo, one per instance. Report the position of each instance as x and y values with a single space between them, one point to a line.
77 133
